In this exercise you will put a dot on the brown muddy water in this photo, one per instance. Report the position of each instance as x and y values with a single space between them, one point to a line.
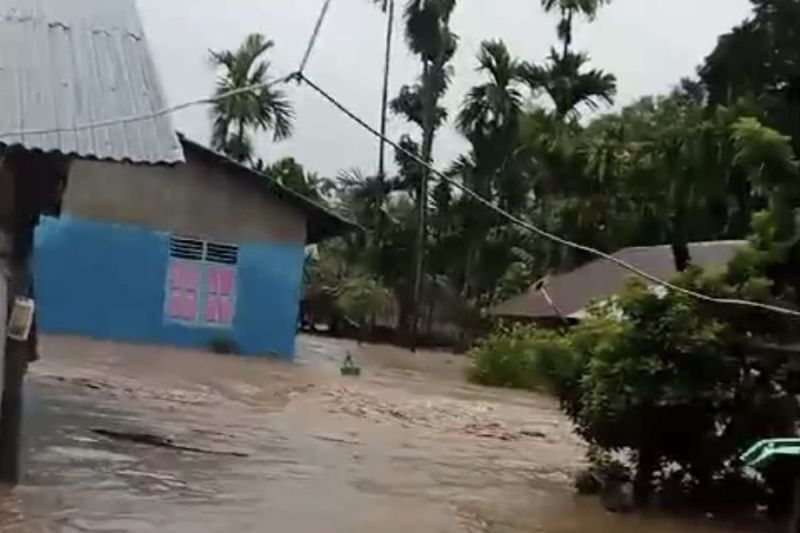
407 447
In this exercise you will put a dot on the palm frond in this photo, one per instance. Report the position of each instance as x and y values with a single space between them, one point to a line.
266 109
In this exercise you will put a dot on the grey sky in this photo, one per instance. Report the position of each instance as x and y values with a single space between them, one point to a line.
648 44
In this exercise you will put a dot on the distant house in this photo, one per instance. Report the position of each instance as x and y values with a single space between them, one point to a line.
567 296
203 252
154 245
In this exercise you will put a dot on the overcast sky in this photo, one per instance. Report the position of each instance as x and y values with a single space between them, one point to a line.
647 44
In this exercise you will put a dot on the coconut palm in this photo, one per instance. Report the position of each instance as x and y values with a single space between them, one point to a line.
568 85
264 108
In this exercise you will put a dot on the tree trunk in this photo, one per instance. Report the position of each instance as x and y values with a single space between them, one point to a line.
643 481
568 22
680 239
385 96
429 110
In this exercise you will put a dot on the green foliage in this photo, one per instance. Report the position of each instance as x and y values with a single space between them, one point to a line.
672 381
363 297
568 86
519 357
291 174
760 60
266 109
336 291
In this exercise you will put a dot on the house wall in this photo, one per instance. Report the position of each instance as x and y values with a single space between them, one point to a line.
108 281
195 199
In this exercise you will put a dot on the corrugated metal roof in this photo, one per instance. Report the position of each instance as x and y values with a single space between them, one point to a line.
572 292
66 63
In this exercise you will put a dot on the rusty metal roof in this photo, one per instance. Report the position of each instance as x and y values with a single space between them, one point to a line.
572 292
68 63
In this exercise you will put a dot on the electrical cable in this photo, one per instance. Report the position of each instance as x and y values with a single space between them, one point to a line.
539 231
147 116
314 35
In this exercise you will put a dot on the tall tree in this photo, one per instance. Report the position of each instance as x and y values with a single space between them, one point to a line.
429 37
568 9
568 85
264 108
760 60
489 119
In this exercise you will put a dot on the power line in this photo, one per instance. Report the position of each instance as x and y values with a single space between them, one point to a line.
539 231
147 116
314 35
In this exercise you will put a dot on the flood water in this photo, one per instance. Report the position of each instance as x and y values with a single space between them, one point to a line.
407 447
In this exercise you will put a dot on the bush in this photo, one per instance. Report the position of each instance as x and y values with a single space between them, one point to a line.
660 379
520 357
665 380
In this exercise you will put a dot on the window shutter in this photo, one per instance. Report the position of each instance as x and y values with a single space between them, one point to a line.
200 269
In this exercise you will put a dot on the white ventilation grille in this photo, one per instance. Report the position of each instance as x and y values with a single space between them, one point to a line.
183 248
198 250
225 254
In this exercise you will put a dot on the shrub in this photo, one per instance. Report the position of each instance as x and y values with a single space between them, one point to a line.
520 357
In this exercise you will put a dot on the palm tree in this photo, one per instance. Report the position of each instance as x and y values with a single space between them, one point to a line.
291 174
264 108
365 199
568 85
493 106
428 35
568 9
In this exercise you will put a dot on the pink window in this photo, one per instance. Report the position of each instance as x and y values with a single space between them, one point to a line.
183 288
220 293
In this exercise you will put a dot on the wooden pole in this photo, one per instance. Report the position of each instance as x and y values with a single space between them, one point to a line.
15 365
5 275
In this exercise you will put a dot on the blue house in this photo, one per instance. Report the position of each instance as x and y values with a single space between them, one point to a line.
160 240
203 252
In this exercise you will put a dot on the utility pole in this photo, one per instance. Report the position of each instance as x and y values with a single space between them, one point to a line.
388 5
6 217
15 365
11 404
31 184
5 275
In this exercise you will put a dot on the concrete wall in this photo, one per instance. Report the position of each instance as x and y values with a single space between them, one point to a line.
198 199
108 281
